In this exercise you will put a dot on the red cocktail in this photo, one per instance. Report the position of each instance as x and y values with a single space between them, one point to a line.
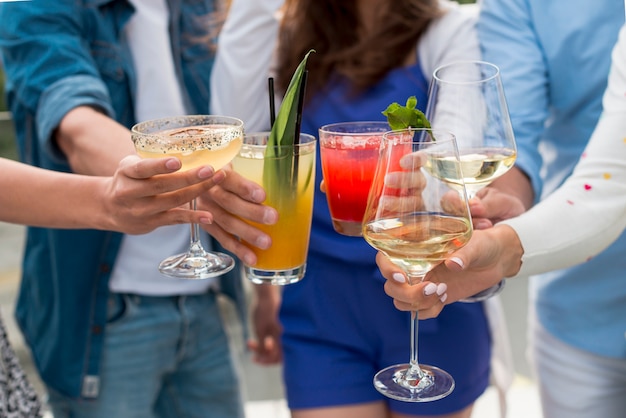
349 153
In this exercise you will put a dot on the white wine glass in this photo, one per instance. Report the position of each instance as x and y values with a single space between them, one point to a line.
195 140
467 98
416 218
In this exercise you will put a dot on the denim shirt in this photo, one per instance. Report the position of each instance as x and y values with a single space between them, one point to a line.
59 54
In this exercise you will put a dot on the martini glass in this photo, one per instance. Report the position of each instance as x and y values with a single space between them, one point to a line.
416 218
195 140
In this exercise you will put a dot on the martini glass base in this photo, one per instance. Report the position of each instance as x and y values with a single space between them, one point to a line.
189 266
436 384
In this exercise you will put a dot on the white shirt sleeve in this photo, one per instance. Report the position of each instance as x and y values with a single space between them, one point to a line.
249 36
450 38
588 212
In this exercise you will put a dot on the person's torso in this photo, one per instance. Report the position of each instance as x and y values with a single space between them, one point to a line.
337 104
585 305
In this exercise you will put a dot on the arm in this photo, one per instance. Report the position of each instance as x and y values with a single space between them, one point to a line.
507 39
581 218
52 72
142 195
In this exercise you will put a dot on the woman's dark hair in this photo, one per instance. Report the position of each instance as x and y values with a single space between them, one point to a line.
332 28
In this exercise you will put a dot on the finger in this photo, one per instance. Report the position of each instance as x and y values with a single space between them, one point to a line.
187 216
238 205
232 244
246 189
322 186
182 196
143 168
413 161
405 180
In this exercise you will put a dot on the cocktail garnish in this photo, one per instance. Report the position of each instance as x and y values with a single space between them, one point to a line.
280 170
403 117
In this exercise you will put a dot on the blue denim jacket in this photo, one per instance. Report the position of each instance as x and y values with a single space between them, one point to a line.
59 54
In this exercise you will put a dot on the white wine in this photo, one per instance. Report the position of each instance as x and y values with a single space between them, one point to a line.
479 167
214 145
418 242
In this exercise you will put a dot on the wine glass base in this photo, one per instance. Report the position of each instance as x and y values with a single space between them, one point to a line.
485 294
436 384
196 267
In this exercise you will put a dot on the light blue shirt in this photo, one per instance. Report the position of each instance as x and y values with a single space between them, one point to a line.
555 58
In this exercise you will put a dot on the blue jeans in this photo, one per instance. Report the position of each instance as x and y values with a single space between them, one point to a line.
163 357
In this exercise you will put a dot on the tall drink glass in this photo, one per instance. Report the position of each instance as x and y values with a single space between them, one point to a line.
292 196
349 153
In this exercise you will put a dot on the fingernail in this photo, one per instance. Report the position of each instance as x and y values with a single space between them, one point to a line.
263 242
442 288
258 196
399 277
205 172
444 298
206 221
457 261
249 260
430 289
270 217
173 164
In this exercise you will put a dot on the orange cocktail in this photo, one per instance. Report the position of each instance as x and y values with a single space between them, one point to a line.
292 196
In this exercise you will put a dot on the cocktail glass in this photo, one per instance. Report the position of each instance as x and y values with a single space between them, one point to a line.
289 182
196 140
349 153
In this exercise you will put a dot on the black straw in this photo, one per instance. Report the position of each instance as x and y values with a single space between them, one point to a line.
270 82
300 106
296 139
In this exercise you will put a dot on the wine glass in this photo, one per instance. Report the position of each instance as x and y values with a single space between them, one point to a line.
417 218
196 140
467 98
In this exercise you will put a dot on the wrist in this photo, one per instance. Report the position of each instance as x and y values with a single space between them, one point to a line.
511 249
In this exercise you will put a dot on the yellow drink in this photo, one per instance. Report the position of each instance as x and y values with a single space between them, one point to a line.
284 262
194 146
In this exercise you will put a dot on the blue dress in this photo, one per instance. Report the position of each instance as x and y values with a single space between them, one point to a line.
340 327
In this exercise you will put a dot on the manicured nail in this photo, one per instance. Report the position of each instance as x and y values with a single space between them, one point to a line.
430 289
457 261
399 277
444 298
206 221
442 288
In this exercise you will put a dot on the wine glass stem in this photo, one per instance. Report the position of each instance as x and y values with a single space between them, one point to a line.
414 372
195 247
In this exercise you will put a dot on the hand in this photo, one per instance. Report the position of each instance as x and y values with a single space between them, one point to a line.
235 199
427 298
266 348
490 256
147 193
492 205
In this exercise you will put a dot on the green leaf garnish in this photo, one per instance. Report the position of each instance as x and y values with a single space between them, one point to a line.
403 117
280 171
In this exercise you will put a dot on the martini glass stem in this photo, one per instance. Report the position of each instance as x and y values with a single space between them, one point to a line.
195 247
